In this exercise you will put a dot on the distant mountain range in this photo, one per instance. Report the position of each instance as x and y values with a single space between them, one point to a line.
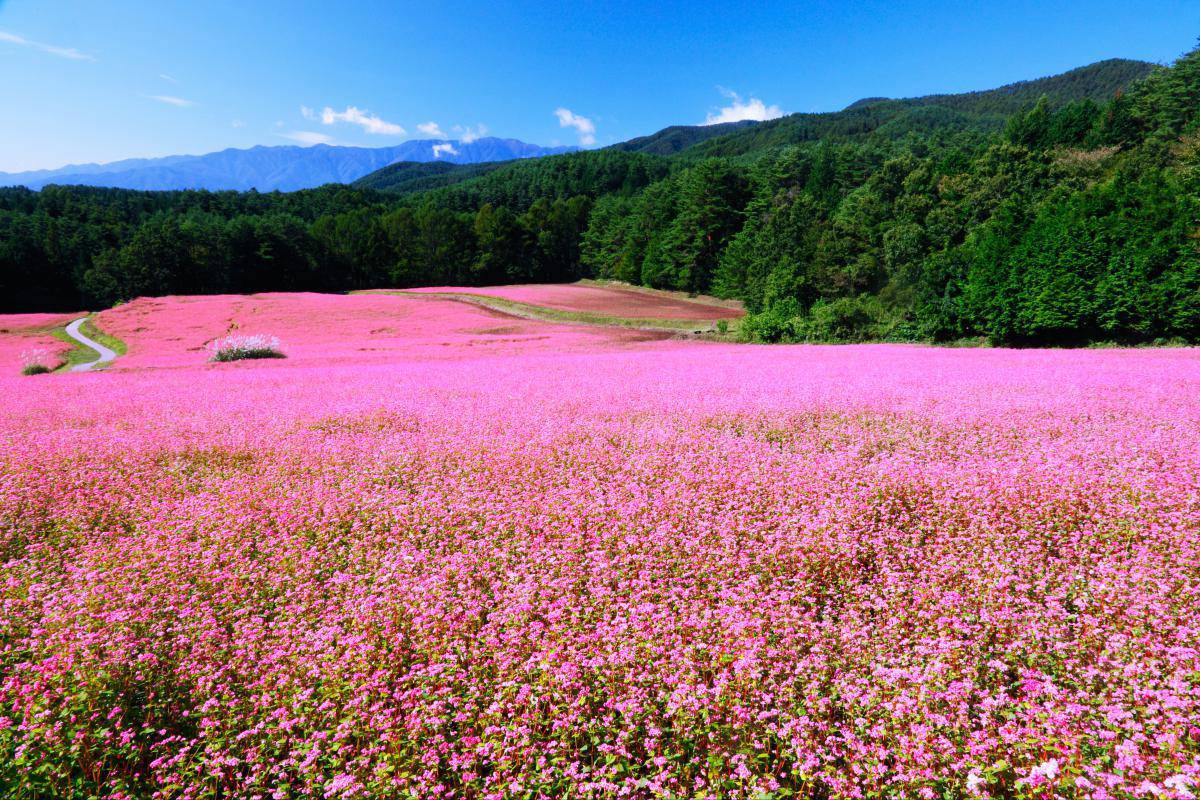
284 168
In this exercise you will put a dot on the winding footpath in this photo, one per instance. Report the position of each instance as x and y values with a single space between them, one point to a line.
106 355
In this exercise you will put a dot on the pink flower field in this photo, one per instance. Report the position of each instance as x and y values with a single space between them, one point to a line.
324 328
440 553
25 334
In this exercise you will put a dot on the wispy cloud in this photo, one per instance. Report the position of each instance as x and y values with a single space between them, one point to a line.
440 150
467 134
168 78
170 100
307 138
354 116
583 126
237 123
739 110
54 50
432 130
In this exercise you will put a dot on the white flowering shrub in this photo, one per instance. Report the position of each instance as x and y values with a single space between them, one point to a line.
36 361
236 347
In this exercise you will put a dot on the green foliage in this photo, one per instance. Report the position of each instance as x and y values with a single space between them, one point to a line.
517 185
774 324
247 355
607 247
709 199
410 177
35 369
1115 262
843 320
676 138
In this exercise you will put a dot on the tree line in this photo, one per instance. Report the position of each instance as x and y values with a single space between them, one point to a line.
68 247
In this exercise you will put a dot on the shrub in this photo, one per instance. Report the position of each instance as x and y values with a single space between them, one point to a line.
843 320
846 319
239 348
36 362
774 324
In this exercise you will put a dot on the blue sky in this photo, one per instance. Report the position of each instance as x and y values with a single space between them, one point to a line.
99 81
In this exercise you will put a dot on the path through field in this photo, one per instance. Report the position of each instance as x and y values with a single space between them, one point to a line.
104 354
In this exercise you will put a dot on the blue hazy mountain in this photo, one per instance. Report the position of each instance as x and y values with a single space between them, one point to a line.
285 168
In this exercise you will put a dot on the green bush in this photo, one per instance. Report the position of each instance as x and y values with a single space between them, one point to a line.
846 319
774 324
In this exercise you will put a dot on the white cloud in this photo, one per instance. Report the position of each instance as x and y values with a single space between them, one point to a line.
61 52
307 138
440 150
167 78
368 122
432 130
739 110
308 113
178 102
237 123
469 134
585 127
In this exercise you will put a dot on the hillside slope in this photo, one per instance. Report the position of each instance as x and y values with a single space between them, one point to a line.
671 140
408 177
981 111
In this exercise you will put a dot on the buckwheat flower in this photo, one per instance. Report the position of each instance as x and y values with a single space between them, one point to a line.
1180 785
975 781
1047 770
342 786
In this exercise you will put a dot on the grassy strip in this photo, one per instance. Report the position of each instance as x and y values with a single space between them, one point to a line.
703 299
544 314
79 354
95 334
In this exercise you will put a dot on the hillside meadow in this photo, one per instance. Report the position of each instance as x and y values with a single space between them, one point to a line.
438 551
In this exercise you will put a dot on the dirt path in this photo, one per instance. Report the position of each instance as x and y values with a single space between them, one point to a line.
105 354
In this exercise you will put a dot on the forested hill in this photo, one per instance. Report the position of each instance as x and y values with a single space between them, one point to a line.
407 177
982 111
1097 82
1057 211
671 140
